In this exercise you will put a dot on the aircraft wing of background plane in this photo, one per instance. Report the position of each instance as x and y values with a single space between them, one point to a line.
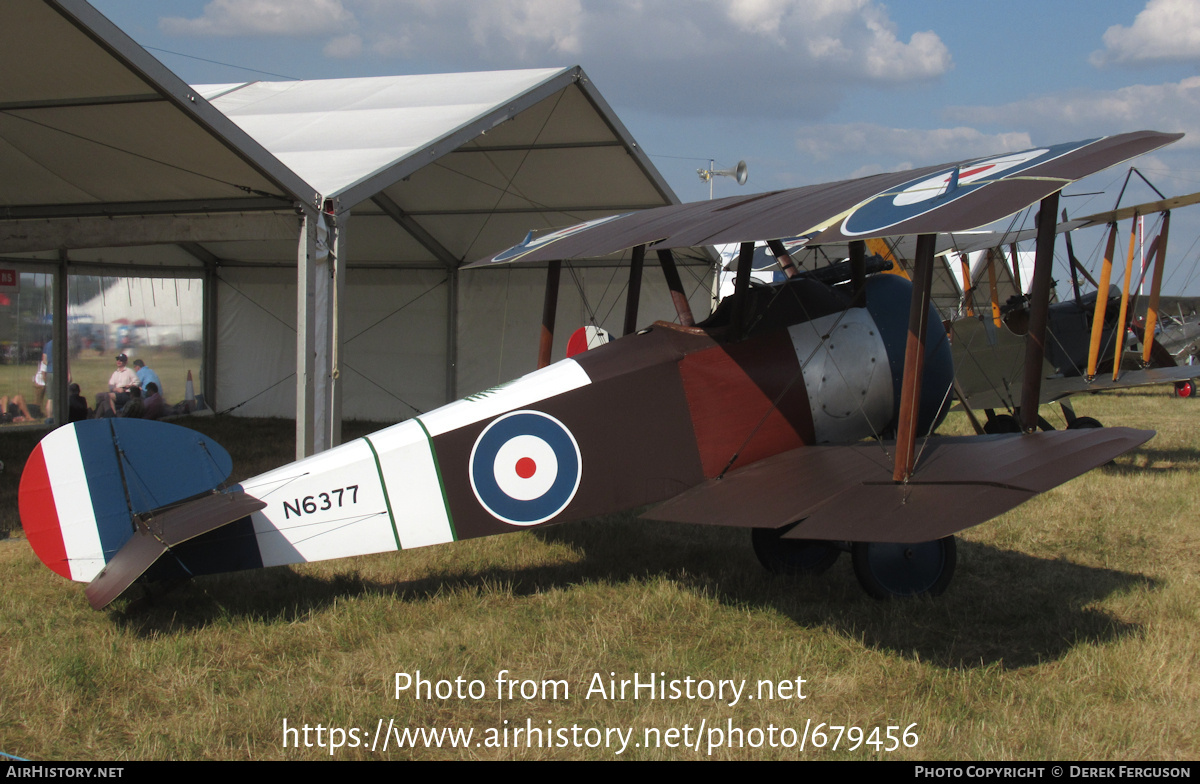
697 418
989 369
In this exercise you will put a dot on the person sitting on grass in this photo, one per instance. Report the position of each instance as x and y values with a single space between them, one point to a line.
77 407
134 408
155 407
14 409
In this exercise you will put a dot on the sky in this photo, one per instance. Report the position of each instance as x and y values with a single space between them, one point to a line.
804 91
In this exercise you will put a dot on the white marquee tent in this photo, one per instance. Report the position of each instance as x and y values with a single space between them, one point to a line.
327 219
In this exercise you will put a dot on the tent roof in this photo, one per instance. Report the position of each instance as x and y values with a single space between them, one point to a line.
102 128
336 133
438 169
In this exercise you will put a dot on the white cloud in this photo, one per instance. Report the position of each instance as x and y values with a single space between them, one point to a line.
263 17
791 57
1165 30
1174 106
344 46
910 146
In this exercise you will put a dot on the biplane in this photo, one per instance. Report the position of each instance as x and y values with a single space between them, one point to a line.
1087 348
799 411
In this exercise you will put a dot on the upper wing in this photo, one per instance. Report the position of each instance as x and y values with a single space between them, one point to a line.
935 199
846 493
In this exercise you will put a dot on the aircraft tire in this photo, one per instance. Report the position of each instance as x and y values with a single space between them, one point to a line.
1002 423
1082 423
1185 388
792 557
893 571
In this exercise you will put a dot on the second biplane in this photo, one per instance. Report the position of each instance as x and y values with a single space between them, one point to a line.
753 418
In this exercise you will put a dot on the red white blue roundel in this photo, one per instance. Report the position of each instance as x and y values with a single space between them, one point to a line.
525 467
916 197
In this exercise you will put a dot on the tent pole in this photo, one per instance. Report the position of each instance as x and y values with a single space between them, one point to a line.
306 336
451 333
337 388
208 343
58 393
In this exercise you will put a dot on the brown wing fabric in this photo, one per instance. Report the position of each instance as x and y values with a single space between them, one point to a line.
845 493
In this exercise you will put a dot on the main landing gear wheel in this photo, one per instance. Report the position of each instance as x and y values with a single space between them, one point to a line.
886 570
1084 423
1185 388
793 557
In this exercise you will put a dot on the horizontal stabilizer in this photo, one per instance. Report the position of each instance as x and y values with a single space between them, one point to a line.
160 531
846 493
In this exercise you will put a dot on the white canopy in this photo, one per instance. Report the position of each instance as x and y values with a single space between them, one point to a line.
109 164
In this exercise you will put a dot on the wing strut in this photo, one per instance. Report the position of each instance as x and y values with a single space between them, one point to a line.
671 273
991 270
1155 289
914 358
968 285
783 258
1039 311
741 283
1102 303
634 292
858 272
549 310
1124 313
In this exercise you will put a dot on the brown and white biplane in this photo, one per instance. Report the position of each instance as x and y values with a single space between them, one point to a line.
799 411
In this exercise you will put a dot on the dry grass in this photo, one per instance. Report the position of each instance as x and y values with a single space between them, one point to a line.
1071 631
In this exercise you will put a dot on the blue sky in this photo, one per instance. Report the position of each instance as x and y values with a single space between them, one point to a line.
804 90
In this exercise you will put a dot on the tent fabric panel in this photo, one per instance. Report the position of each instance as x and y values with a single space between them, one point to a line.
78 68
364 124
146 151
376 238
605 178
500 313
256 342
394 326
567 117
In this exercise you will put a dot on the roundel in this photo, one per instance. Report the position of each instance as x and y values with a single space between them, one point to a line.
923 194
525 467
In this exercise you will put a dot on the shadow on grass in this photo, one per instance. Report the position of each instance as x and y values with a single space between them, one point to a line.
1003 608
1149 459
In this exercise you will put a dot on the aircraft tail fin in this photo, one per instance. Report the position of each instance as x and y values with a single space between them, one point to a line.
88 485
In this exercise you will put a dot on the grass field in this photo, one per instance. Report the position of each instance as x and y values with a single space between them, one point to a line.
1071 631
